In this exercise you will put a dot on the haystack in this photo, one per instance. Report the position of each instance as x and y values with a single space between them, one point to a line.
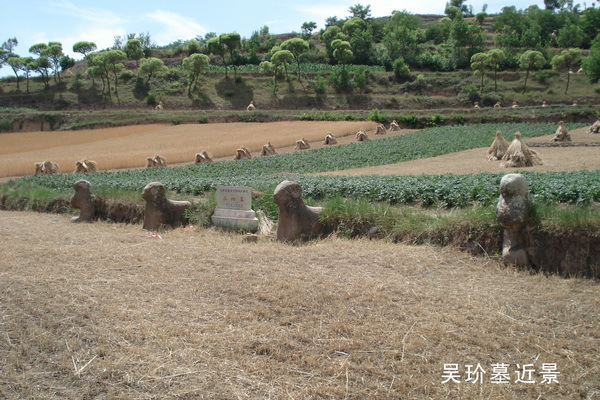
595 128
498 147
519 154
562 134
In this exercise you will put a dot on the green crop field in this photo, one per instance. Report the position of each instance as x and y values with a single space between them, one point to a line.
263 173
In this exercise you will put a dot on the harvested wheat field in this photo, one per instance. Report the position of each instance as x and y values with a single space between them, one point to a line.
128 147
104 311
474 161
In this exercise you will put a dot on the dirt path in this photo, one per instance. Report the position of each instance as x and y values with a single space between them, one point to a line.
104 311
474 161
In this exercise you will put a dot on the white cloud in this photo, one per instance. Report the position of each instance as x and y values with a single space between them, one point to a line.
89 14
176 26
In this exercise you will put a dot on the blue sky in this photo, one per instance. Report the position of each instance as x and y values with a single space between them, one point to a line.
71 21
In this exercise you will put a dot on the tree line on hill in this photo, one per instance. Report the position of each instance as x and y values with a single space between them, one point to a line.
532 39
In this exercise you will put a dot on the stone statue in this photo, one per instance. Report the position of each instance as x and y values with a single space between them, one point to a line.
160 210
84 200
512 210
297 221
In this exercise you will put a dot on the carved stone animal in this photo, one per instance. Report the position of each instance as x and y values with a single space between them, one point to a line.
50 168
512 210
302 144
380 130
561 134
251 106
84 200
297 221
203 157
361 136
394 126
242 153
330 139
268 150
161 211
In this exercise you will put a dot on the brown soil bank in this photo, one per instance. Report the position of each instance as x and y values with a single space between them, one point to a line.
568 253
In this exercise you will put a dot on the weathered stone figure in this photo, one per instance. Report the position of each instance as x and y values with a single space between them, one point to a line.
296 220
84 200
561 134
512 210
160 210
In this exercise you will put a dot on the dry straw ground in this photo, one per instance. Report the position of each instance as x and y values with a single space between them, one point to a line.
128 147
103 311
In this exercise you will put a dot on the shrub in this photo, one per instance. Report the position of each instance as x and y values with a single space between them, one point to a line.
401 71
318 85
339 79
360 78
150 99
126 75
377 116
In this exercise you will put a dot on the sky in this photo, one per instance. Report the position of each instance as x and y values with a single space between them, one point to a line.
100 21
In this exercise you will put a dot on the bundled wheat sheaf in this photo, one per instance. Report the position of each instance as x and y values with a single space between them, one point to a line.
519 154
498 147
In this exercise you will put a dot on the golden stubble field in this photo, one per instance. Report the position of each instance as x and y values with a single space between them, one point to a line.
128 147
102 311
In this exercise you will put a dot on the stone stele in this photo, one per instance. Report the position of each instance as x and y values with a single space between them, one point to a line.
161 211
234 209
84 200
512 210
297 221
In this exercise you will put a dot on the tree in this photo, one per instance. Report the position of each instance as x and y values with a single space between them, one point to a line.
54 52
328 36
217 48
479 64
342 52
41 65
112 63
531 60
591 65
231 43
360 11
84 48
66 62
401 36
195 65
466 39
565 62
570 35
281 59
16 63
38 48
10 45
134 51
297 47
151 66
495 58
268 68
28 67
307 28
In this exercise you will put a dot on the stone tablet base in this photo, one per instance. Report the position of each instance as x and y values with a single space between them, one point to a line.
235 219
